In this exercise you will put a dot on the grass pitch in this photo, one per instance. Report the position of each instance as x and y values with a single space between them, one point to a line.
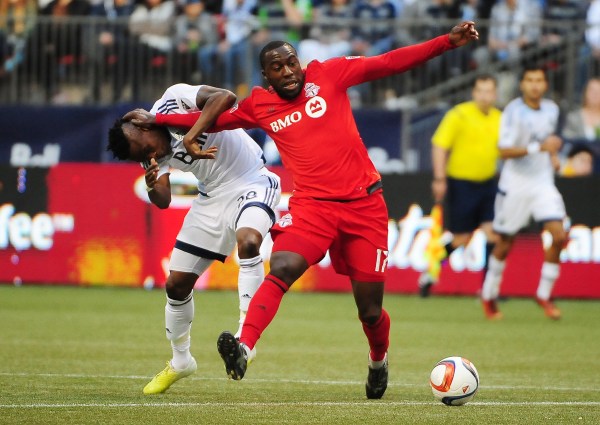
82 356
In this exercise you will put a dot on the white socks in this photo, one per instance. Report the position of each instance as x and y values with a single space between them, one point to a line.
493 277
550 272
251 275
178 323
491 284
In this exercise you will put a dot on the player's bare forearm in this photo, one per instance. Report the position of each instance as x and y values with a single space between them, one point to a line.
213 102
439 157
160 195
513 152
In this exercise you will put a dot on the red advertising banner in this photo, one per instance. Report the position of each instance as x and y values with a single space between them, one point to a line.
92 224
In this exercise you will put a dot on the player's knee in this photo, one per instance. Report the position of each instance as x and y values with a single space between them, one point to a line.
249 246
370 315
177 290
287 267
248 240
560 239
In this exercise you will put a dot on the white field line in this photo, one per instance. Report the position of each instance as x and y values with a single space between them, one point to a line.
293 404
287 381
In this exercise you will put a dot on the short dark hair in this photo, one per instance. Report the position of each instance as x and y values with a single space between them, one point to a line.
531 68
485 77
117 142
272 45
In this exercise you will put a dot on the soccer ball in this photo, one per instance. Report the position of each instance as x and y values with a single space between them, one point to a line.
454 381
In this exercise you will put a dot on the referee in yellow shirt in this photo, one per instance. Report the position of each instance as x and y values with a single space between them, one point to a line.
465 157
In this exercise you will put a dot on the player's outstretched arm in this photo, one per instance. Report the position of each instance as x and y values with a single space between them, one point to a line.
407 57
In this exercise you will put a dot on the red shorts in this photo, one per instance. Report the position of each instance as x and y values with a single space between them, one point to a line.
355 233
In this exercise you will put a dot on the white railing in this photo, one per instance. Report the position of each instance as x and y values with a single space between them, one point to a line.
71 62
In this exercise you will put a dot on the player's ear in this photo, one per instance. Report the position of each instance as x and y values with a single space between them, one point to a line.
262 71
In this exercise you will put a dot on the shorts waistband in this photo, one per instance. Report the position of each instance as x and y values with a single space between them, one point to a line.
375 186
370 190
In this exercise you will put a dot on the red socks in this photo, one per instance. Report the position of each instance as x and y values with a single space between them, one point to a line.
378 335
262 309
266 301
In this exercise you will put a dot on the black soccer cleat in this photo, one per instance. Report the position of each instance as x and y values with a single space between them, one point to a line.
377 381
233 354
425 284
425 289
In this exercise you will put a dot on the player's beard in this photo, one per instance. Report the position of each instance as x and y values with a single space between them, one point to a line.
288 95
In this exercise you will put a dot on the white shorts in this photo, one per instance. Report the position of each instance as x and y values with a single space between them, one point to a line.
514 208
209 227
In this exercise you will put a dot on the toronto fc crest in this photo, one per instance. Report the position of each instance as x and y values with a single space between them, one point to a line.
285 221
311 89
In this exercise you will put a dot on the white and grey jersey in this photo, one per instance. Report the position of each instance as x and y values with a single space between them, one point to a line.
520 126
238 154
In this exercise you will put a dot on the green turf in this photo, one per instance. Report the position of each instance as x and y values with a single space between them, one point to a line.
83 355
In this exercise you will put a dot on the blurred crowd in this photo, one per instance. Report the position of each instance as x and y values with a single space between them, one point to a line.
214 37
123 42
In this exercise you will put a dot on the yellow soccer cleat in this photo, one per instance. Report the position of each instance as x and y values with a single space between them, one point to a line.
163 380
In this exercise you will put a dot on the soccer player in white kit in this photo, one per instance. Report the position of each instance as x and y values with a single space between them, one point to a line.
526 189
235 204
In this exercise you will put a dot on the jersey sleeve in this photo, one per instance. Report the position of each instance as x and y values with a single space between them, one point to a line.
179 98
509 127
240 116
445 133
353 70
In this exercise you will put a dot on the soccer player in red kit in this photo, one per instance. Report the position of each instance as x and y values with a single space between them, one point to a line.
337 203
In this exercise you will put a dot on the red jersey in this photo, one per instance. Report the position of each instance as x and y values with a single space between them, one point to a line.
315 133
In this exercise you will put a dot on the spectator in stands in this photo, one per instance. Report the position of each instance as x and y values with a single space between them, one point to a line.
580 161
584 123
212 7
298 14
374 34
152 22
109 53
17 18
234 50
562 23
562 19
330 33
431 16
592 37
280 20
59 42
427 15
514 26
195 29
